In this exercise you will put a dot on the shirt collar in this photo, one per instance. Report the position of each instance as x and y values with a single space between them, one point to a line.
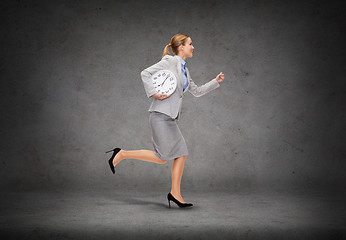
183 63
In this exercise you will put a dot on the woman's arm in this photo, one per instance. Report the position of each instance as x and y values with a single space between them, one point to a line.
198 91
146 77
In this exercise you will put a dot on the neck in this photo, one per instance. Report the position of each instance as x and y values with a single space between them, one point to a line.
182 56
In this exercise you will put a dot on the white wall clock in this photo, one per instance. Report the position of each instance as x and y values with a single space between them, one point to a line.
164 81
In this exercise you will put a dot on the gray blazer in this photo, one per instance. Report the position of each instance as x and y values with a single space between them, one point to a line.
171 106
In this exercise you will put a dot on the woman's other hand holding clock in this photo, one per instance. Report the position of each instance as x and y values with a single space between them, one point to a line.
160 96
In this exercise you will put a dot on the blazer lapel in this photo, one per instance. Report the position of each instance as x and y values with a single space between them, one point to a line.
180 80
188 78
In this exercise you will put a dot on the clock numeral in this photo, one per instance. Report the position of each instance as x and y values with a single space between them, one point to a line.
172 83
154 82
159 75
155 78
163 74
171 78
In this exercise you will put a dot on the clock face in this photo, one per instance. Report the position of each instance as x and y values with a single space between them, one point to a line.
164 81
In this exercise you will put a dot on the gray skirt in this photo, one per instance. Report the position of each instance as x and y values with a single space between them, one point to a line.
168 142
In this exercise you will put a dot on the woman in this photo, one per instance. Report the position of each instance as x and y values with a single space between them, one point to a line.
168 141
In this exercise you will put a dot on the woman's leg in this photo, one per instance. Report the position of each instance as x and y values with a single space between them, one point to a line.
145 155
177 173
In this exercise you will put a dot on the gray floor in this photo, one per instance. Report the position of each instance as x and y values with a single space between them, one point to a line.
145 215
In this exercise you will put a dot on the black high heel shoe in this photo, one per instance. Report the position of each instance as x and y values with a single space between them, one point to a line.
181 205
110 161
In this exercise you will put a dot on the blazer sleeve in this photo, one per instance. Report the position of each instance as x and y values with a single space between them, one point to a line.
198 91
148 72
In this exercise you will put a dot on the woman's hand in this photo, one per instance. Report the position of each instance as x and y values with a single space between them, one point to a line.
160 96
220 77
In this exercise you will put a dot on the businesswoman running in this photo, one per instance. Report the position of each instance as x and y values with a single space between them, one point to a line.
168 142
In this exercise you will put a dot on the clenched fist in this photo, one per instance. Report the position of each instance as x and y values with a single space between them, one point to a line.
220 77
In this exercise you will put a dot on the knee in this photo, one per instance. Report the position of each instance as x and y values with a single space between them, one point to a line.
163 161
159 159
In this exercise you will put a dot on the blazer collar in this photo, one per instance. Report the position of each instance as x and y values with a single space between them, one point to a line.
177 58
188 79
178 64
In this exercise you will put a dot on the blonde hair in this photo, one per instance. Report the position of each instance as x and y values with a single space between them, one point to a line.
176 41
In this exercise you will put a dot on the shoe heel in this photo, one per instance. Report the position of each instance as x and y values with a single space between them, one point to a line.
113 150
181 205
169 203
110 161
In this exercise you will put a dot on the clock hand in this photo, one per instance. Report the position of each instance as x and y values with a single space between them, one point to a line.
163 82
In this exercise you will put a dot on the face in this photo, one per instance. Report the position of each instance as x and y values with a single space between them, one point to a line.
187 49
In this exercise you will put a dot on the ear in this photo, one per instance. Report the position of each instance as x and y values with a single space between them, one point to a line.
180 48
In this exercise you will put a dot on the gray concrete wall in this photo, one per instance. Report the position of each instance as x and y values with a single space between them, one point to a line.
71 89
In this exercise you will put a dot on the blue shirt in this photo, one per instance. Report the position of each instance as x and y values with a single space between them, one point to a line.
183 64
